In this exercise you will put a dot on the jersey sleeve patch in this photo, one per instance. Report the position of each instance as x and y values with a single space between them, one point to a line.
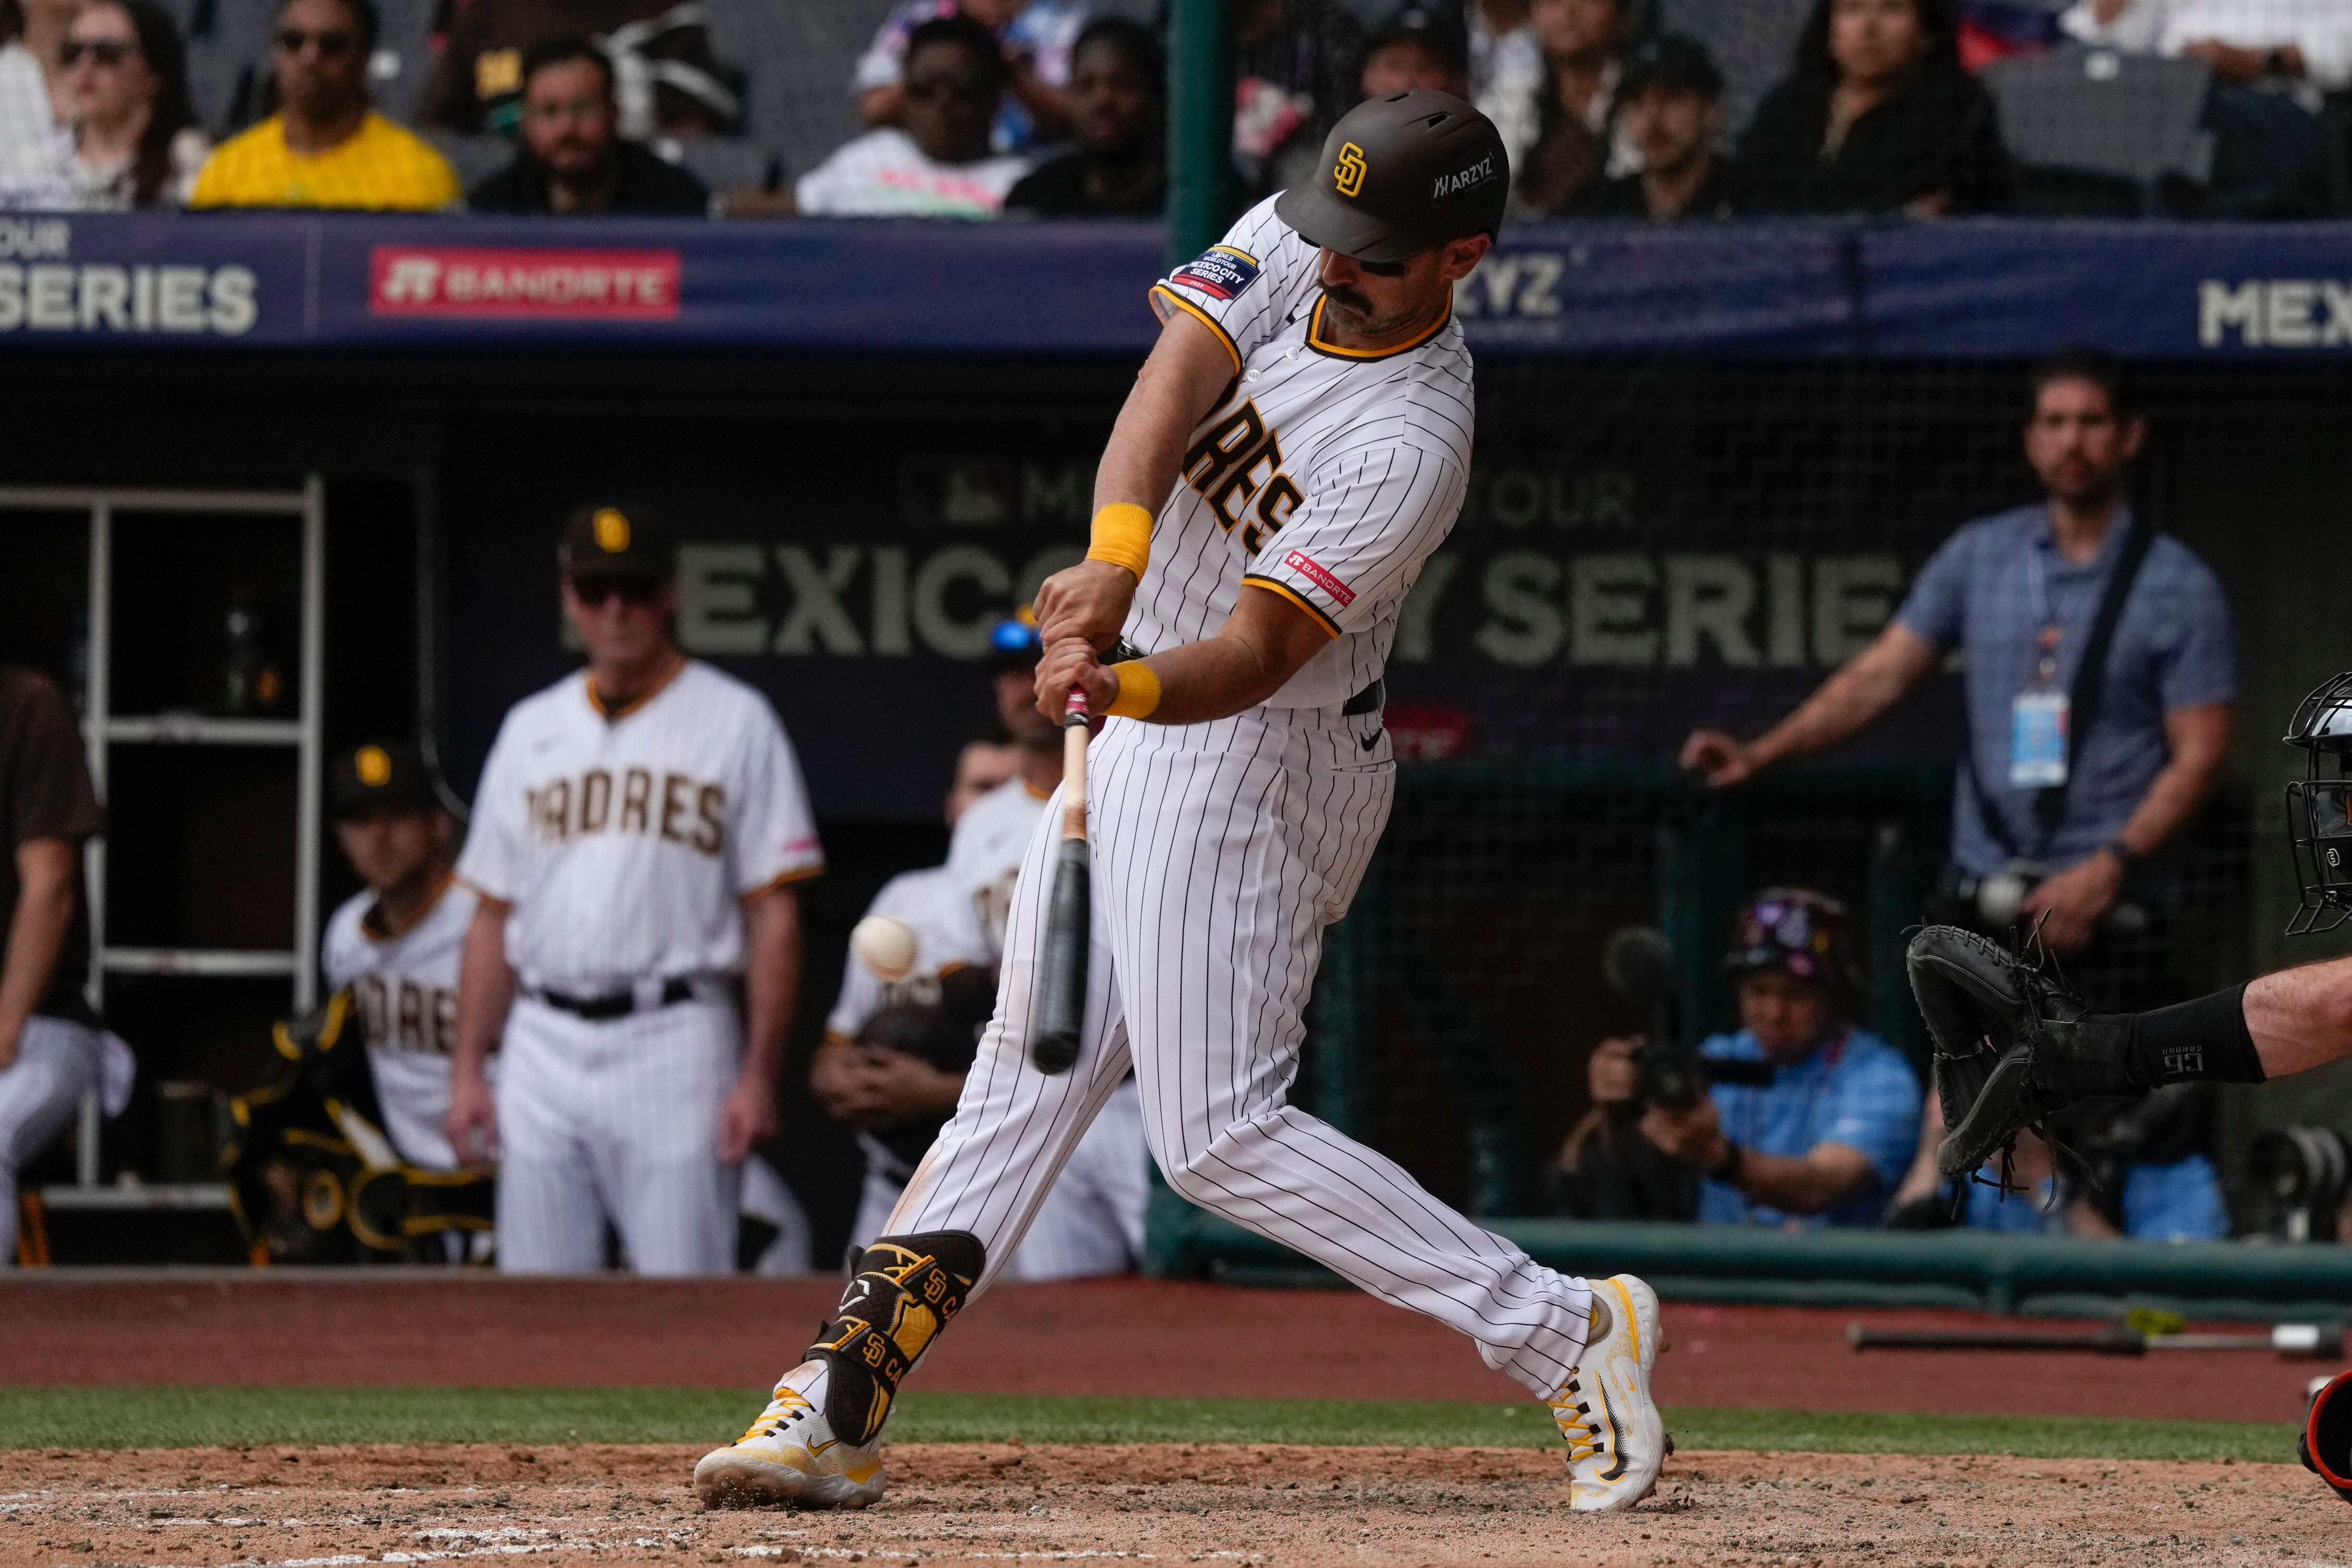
1308 567
1221 272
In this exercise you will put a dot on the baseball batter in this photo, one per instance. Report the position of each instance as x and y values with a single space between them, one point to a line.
637 835
1295 447
396 945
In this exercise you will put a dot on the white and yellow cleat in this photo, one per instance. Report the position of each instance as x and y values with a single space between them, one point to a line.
1615 1440
790 1456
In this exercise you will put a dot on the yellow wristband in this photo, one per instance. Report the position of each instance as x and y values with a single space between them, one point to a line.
1122 536
1139 689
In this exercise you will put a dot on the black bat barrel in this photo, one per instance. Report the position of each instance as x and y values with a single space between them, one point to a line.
1061 1007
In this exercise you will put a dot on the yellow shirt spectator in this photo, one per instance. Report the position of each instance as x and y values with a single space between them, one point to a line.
381 167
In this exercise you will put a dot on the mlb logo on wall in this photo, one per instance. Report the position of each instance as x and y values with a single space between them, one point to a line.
452 280
1220 271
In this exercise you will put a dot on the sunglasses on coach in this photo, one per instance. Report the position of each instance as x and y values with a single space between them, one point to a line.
331 46
98 51
637 591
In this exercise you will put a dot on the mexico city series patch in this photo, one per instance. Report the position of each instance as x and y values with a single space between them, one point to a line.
1220 271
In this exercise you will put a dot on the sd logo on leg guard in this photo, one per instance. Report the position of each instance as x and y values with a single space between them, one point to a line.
907 1289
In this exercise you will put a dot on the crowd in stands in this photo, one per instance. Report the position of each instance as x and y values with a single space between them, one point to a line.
977 108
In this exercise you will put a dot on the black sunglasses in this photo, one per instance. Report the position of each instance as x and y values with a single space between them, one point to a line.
99 51
1381 268
637 591
331 46
966 89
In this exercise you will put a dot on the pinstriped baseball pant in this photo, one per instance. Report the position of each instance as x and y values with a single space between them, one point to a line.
1221 851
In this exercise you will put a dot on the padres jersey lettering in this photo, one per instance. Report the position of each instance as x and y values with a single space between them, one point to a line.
625 841
405 989
680 809
1355 461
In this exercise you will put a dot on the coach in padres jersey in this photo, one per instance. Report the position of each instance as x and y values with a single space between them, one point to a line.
635 838
1294 449
396 945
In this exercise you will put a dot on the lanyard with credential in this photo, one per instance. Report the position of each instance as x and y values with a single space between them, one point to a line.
2038 716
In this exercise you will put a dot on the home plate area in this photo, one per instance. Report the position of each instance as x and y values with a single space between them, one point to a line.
311 1508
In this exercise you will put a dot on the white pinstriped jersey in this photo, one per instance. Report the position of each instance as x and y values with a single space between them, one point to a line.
1328 474
991 838
404 988
945 937
626 842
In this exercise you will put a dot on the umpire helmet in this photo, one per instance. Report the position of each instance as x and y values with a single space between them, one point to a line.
1403 174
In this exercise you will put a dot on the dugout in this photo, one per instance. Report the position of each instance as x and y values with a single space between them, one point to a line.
1708 463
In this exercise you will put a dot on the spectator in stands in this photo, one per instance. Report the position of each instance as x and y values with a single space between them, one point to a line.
33 106
134 142
671 82
2293 43
1295 73
1823 1127
981 765
1039 41
2054 821
1422 45
1574 104
1670 106
939 166
1877 115
325 147
1119 93
1506 71
2273 62
571 160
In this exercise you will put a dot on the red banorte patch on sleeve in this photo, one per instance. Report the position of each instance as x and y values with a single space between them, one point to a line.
1308 567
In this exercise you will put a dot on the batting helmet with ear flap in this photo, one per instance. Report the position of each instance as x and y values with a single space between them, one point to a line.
1403 174
2326 1443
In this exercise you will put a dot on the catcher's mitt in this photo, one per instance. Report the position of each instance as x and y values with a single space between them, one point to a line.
2014 1044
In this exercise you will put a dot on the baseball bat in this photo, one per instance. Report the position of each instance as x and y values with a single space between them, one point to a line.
2295 1340
1062 979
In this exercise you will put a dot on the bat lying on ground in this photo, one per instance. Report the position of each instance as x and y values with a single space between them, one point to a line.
2310 1342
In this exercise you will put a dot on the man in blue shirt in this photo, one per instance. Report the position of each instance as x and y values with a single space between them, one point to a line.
1826 1141
2017 593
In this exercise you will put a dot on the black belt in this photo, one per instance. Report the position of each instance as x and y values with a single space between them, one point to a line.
1367 701
614 1004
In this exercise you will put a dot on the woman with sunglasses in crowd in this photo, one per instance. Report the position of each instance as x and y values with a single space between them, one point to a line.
131 139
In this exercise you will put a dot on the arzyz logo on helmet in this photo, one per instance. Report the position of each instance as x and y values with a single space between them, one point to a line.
1350 174
1461 180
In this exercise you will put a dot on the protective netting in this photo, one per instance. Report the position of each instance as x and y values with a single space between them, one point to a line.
1651 546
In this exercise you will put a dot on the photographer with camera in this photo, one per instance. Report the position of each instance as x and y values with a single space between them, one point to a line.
1801 1117
2101 686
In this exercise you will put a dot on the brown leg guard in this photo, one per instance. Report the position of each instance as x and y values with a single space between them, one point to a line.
906 1291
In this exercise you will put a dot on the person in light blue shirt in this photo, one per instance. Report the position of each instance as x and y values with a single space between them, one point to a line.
1828 1137
2062 834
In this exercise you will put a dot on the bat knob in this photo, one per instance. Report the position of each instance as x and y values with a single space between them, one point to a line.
1055 1053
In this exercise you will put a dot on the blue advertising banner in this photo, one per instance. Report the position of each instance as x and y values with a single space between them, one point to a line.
1776 290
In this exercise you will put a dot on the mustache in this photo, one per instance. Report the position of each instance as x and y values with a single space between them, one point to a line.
1352 298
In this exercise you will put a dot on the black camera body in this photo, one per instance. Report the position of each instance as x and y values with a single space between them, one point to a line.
1674 1077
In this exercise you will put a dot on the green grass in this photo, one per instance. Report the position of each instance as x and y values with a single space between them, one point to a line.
182 1417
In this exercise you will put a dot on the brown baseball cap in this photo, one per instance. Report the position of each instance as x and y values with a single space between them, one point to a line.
618 539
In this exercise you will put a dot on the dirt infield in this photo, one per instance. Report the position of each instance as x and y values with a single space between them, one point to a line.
1113 1336
1307 1507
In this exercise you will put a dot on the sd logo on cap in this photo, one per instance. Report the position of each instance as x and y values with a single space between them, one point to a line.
611 539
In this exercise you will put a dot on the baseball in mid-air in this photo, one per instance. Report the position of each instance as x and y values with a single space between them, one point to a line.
886 945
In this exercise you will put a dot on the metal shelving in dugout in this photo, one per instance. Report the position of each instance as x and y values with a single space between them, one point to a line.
170 884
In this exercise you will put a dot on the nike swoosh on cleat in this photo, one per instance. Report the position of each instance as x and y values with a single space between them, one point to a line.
817 1449
1616 1438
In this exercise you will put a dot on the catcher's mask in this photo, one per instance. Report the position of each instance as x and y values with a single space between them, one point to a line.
2319 807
